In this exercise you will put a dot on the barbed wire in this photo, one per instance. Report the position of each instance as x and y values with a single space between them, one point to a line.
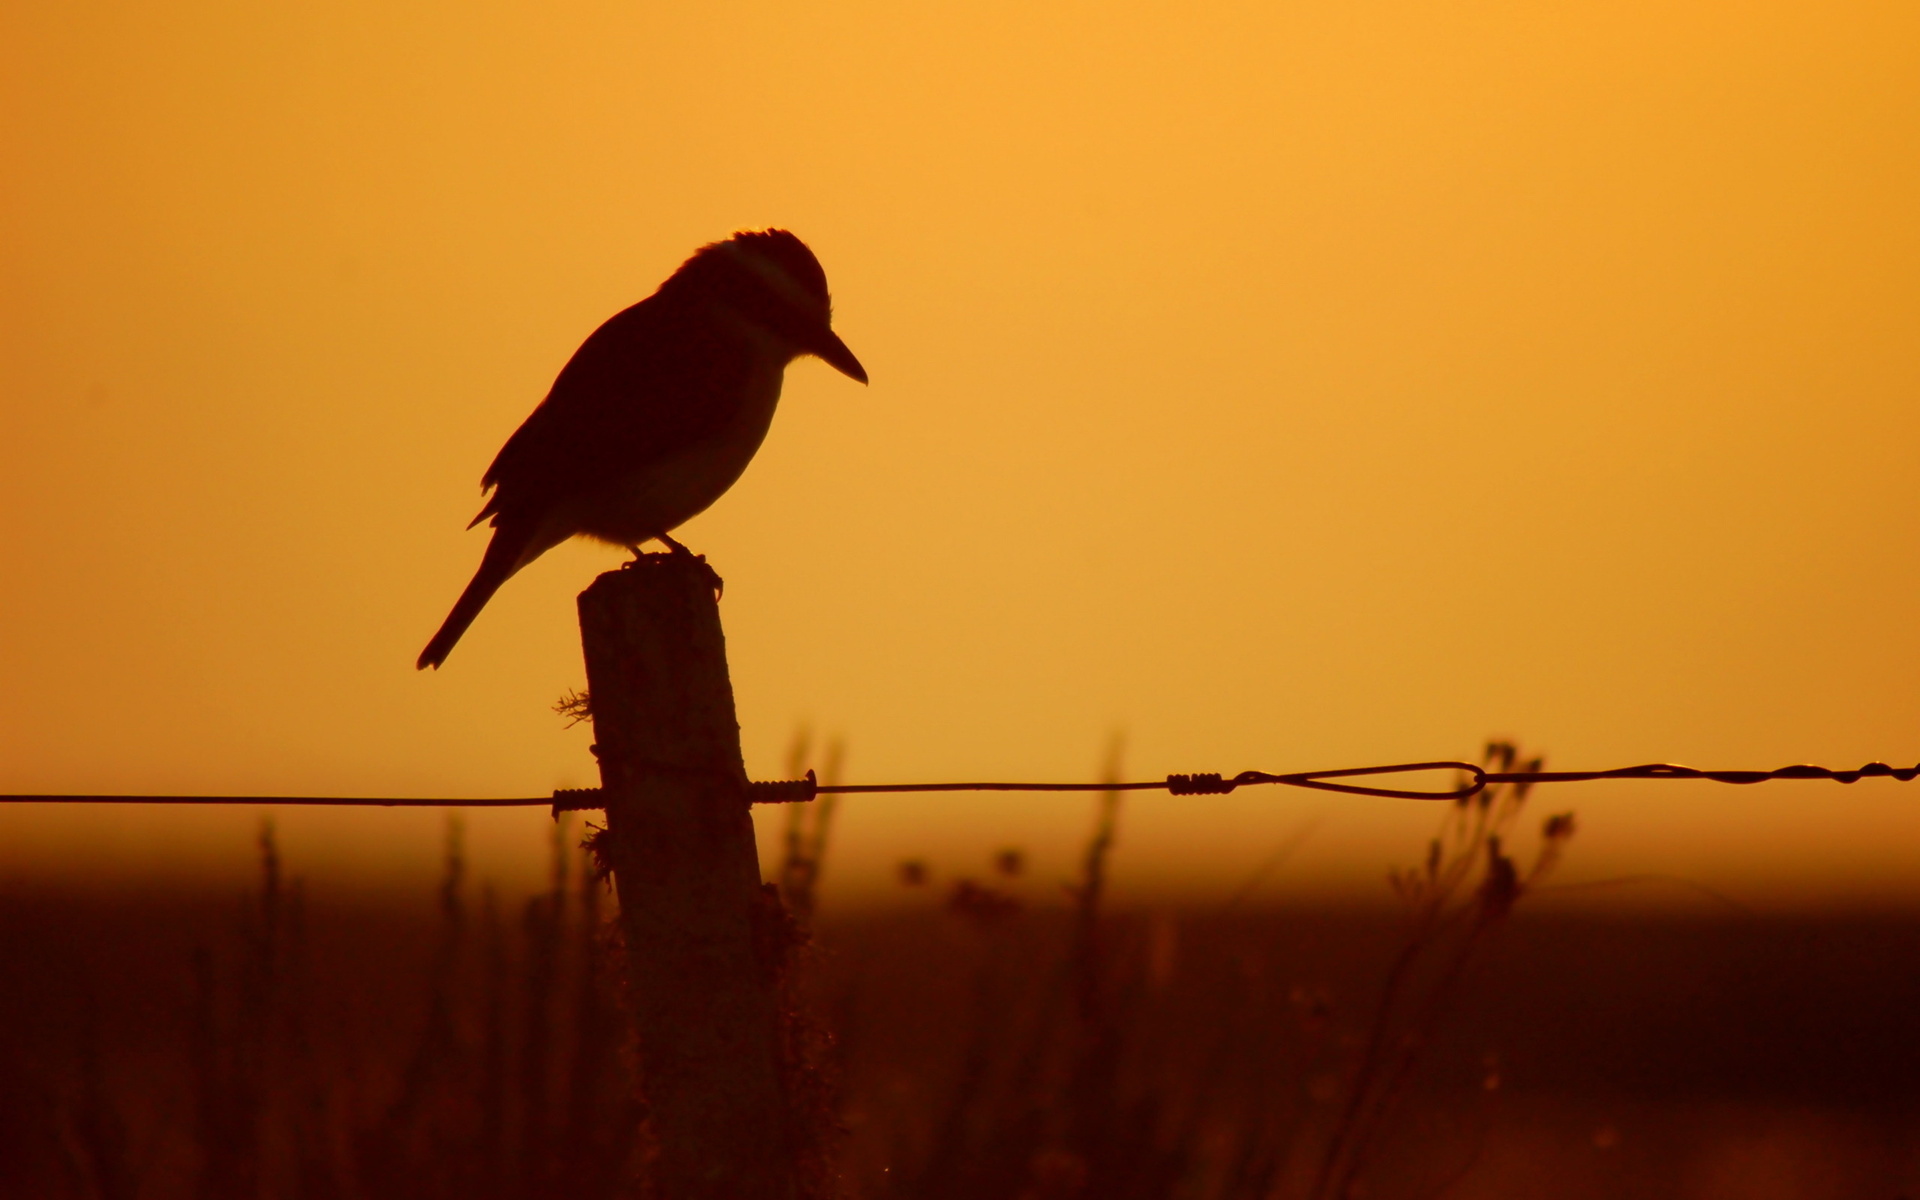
1474 779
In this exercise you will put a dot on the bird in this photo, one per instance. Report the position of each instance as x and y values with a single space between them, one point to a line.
656 414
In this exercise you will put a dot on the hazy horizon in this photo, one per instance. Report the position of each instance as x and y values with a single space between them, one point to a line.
1286 388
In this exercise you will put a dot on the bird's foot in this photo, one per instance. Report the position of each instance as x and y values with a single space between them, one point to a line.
674 547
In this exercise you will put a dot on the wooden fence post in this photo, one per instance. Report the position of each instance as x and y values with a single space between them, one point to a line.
680 842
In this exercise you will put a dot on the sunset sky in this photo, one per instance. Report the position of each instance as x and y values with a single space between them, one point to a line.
1283 386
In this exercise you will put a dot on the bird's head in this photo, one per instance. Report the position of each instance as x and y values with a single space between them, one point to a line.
772 282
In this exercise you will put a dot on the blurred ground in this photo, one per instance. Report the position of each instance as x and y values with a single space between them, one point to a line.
1578 1056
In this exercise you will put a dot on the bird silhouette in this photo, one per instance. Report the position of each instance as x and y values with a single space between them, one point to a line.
656 414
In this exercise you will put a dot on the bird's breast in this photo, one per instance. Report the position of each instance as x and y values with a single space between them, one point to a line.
659 496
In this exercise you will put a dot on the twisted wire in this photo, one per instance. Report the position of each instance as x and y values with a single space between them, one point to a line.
1474 779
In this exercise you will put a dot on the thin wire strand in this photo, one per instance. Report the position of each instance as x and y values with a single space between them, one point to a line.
367 801
1474 779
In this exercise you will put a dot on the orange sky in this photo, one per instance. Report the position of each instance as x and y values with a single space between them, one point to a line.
1291 386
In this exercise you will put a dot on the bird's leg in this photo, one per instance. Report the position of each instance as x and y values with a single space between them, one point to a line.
670 544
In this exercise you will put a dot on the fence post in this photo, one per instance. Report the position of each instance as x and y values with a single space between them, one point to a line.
680 841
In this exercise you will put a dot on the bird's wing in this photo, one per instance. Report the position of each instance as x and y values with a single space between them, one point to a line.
649 382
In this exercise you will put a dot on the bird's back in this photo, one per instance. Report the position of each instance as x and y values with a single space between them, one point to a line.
651 382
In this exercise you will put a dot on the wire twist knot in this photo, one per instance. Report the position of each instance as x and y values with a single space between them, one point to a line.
1204 783
784 791
576 800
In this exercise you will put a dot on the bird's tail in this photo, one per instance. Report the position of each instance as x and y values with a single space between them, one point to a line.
506 553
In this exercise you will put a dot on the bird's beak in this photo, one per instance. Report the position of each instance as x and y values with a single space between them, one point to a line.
836 355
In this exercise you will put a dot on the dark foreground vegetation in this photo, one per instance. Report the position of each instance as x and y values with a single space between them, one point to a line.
996 1037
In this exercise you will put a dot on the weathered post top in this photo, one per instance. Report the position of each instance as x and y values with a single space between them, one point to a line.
680 841
656 657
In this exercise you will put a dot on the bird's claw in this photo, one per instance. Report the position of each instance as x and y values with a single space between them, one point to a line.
676 548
